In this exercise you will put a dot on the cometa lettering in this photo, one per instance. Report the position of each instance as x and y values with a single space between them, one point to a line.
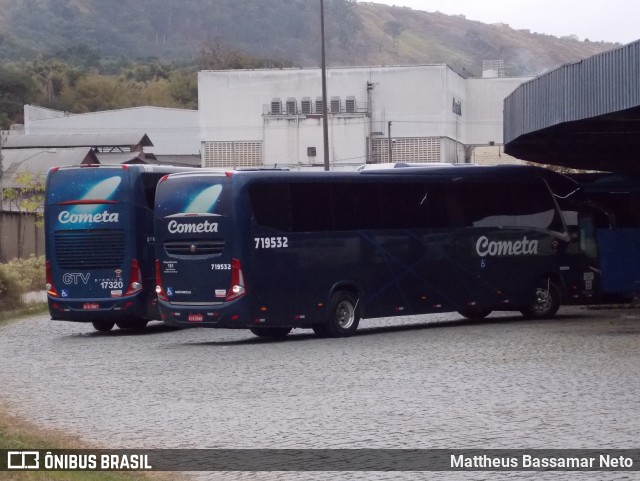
65 217
181 228
485 247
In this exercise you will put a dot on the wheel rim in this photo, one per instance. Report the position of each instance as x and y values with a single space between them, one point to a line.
543 301
345 314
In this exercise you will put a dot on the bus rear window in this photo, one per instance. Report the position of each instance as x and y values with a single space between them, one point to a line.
85 185
192 195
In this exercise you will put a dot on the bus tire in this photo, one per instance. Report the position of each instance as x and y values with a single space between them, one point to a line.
270 332
545 303
320 330
132 324
474 314
103 326
343 315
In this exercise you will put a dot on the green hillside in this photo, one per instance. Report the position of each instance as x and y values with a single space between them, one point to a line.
356 33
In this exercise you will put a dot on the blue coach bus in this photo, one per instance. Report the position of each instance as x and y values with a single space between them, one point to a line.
271 251
99 244
610 225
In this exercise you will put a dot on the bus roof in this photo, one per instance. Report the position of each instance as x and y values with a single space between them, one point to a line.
160 168
560 184
401 165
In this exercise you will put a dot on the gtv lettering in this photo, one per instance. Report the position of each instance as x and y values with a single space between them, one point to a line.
74 277
177 228
485 247
65 217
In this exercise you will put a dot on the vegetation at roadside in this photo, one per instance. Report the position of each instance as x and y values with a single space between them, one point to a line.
16 434
17 277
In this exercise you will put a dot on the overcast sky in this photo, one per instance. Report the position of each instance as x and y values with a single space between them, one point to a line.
608 20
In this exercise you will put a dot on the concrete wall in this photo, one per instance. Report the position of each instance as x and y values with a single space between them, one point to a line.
20 236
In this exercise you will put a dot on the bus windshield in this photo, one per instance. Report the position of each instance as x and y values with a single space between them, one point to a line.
193 195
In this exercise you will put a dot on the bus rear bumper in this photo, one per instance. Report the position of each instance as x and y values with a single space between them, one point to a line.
89 310
231 315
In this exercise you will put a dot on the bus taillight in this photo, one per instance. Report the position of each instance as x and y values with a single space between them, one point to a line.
236 288
51 288
135 285
159 290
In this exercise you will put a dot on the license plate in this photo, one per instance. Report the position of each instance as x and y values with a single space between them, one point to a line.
90 306
195 318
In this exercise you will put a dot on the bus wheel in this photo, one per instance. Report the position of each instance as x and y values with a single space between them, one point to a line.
320 330
546 301
475 314
132 324
270 332
103 326
343 315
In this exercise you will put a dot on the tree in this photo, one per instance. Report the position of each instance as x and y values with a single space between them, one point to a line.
183 87
394 28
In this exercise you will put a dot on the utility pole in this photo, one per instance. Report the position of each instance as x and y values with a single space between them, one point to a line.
1 173
325 121
390 144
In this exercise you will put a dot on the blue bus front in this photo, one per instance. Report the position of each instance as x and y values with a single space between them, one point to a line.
199 282
93 273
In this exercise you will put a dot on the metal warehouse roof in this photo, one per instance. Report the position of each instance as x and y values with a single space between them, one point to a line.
38 162
76 140
583 115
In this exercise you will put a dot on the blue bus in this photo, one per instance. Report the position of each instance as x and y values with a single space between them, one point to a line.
610 232
99 244
272 251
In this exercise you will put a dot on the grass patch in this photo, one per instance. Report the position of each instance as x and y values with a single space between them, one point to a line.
26 311
17 434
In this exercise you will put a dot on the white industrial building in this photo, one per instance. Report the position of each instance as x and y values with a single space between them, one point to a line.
427 113
251 118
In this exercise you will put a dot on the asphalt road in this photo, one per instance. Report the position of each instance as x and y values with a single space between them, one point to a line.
416 382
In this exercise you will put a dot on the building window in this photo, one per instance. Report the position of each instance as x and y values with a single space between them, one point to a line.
292 107
311 151
305 106
319 106
233 154
411 149
456 107
276 107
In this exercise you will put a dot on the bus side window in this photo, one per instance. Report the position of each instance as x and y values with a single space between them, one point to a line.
403 206
355 206
270 205
310 207
524 204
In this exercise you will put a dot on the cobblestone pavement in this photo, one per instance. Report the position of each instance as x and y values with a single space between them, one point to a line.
415 382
